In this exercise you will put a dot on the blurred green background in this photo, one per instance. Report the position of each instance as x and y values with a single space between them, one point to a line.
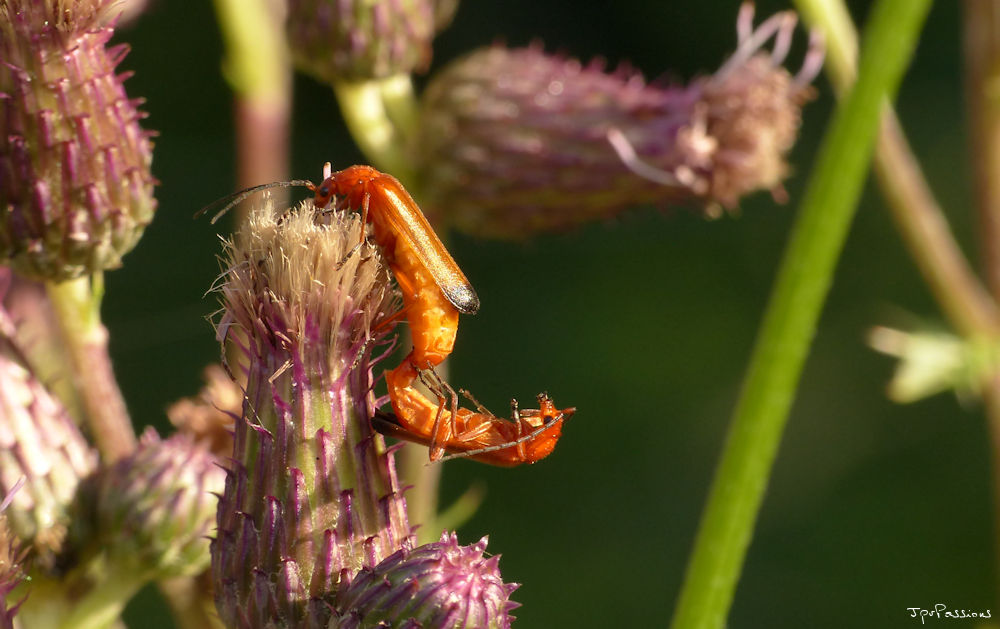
645 324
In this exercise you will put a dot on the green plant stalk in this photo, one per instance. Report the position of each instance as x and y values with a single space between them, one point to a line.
790 322
189 604
401 104
832 18
258 69
92 596
371 110
981 38
77 304
917 214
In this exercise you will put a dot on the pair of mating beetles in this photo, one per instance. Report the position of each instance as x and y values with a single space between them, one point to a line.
415 253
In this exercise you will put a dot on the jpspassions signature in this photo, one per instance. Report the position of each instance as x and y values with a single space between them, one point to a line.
942 611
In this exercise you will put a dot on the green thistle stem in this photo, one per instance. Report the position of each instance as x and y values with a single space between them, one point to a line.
257 67
982 52
790 321
92 597
371 110
918 216
77 304
401 103
832 18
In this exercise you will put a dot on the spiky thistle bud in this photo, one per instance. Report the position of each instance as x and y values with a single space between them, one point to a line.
152 511
76 189
517 141
41 450
459 588
311 496
362 39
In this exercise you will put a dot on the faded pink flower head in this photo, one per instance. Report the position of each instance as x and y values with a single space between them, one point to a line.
517 141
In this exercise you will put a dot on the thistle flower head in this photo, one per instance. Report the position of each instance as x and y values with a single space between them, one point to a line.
441 585
43 455
75 184
517 141
364 39
152 511
311 496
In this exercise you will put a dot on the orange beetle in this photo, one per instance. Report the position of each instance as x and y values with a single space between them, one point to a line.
434 292
434 289
528 436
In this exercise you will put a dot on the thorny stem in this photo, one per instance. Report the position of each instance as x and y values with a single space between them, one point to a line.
76 304
982 60
789 324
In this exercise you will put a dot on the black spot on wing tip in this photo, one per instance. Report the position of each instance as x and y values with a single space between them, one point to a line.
464 298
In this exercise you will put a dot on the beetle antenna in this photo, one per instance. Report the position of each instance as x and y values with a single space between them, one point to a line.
231 200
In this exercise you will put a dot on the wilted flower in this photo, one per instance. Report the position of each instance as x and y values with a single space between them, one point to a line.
362 39
76 190
459 588
517 141
311 496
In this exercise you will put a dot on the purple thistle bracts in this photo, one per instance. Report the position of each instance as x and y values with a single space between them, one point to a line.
355 40
152 511
516 141
441 585
43 455
311 495
76 189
